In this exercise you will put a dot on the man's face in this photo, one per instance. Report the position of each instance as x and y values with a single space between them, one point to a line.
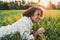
37 16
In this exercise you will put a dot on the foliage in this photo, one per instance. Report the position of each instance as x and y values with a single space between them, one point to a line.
12 5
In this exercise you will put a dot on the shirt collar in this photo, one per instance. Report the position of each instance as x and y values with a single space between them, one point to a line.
31 23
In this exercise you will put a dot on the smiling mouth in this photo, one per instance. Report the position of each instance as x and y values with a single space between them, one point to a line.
38 19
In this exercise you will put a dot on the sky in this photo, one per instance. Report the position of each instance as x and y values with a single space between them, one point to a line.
31 0
54 1
21 0
45 2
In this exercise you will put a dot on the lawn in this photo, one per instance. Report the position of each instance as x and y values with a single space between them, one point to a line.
51 23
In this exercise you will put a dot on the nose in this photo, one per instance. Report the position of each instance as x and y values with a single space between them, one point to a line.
39 17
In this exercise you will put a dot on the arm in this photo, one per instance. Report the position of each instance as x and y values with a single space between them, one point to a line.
39 32
28 36
5 30
25 32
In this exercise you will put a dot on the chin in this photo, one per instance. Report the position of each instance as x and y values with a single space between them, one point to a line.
36 21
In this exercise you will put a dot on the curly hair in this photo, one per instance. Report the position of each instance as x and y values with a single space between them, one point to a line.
30 12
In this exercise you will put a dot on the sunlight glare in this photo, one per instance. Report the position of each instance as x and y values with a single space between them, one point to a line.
54 1
44 3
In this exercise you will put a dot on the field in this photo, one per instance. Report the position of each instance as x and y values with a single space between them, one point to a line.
51 23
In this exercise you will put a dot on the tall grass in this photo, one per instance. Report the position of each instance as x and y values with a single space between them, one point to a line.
51 23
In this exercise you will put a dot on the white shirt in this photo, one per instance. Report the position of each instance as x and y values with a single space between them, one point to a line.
23 26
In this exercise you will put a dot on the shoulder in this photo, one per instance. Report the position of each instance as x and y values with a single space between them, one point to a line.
26 19
23 21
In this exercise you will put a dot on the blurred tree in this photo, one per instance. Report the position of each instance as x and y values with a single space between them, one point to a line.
58 6
38 1
5 5
16 5
51 5
13 5
23 2
10 5
1 4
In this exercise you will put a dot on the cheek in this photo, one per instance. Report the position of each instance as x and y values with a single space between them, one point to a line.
36 19
33 18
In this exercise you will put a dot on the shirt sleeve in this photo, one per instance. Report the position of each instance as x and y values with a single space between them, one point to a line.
27 36
25 32
5 30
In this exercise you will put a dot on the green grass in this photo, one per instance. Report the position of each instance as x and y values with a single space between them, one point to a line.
52 13
51 23
5 13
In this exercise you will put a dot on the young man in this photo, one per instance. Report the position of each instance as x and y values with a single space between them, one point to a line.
24 25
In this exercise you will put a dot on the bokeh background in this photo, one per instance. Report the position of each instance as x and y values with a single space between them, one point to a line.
12 10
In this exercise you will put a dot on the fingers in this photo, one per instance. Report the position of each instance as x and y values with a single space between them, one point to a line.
41 30
41 35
